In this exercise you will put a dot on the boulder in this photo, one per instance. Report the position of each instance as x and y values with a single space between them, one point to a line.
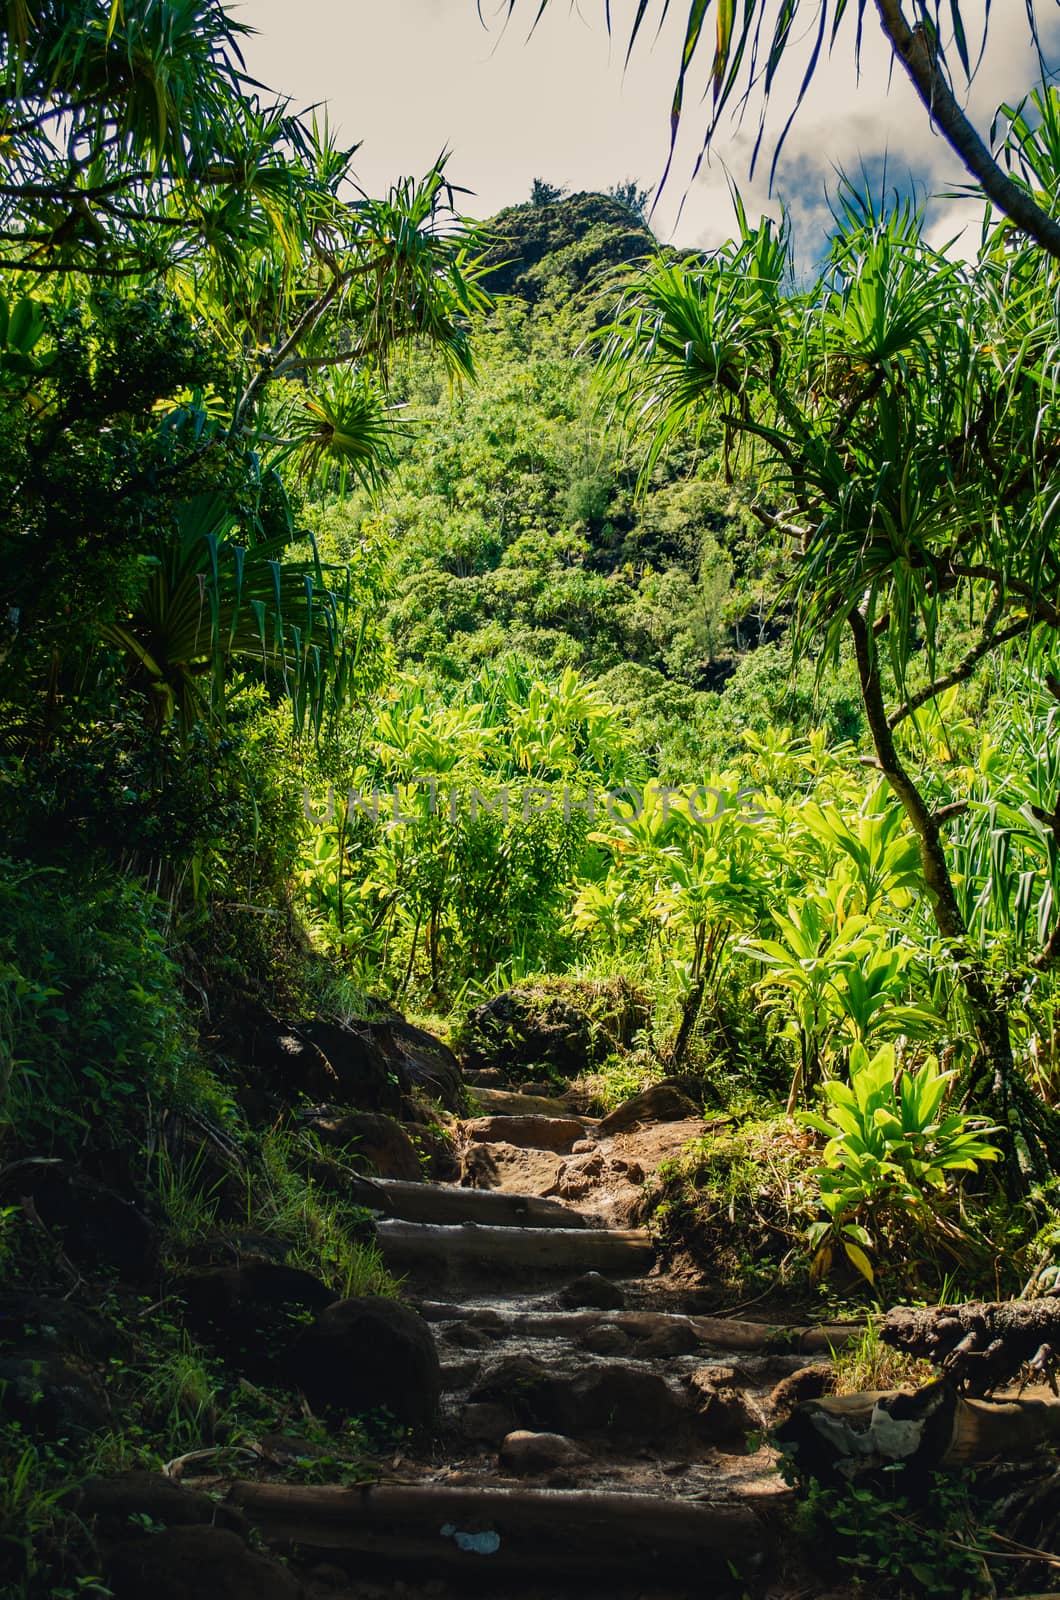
484 1422
97 1227
370 1140
620 1399
34 1325
51 1398
328 1061
250 1312
419 1059
605 1339
369 1355
725 1415
808 1383
520 1031
662 1102
593 1289
525 1453
196 1563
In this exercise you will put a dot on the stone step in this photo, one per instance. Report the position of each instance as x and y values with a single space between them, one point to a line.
567 1534
557 1132
449 1203
408 1245
512 1103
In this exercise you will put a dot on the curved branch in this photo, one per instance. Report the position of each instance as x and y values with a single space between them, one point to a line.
919 57
964 669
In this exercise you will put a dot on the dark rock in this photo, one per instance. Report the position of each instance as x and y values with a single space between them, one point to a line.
520 1030
97 1227
370 1140
485 1422
621 1400
250 1313
419 1059
51 1398
33 1325
113 1503
368 1355
667 1339
466 1336
593 1289
526 1453
625 1401
605 1340
662 1102
324 1060
192 1563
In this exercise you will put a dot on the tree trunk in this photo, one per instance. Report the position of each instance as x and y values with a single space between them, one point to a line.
981 1345
1030 1131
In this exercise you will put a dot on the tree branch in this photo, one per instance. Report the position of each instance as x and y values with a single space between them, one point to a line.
918 55
964 669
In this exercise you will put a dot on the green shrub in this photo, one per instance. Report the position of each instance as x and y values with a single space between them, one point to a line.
93 1025
891 1149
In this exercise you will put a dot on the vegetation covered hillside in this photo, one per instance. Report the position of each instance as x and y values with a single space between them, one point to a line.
430 644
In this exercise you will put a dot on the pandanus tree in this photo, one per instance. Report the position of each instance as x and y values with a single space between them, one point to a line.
905 414
143 166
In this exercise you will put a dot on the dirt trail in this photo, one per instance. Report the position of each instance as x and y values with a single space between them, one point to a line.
595 1424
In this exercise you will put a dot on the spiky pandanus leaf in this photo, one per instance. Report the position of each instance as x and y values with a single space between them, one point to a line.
218 599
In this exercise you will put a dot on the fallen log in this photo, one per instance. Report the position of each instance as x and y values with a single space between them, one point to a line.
930 1429
448 1203
407 1245
513 1530
982 1345
765 1338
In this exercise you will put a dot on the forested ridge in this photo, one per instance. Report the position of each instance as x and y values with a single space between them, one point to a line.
467 673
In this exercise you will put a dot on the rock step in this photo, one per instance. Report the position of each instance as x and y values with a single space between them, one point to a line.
448 1203
671 1328
513 1103
440 1528
407 1245
558 1131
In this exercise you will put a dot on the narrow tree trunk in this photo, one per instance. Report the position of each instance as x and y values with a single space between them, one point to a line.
916 50
1025 1121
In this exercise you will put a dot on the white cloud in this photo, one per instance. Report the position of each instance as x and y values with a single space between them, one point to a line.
411 76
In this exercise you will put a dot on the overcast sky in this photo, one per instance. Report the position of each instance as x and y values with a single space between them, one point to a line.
409 77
